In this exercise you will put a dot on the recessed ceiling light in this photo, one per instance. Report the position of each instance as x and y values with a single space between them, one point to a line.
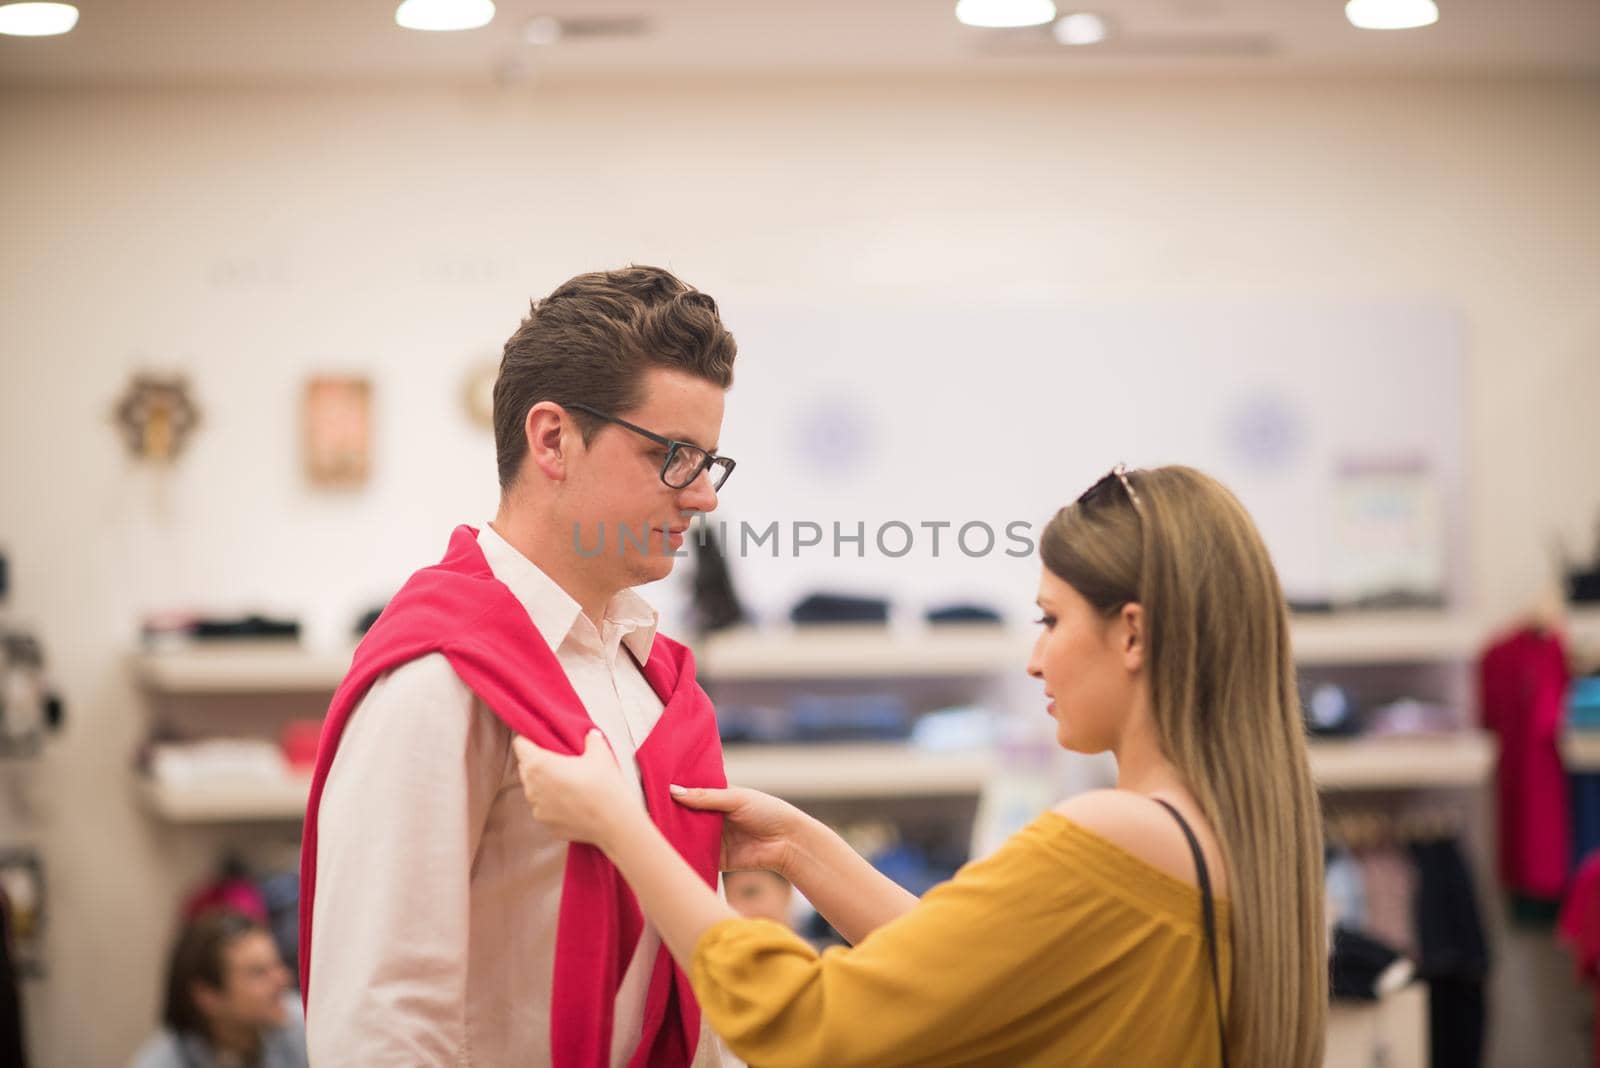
1002 14
1391 14
37 20
444 14
1080 29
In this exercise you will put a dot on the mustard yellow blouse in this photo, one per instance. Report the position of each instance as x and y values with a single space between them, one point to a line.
1060 949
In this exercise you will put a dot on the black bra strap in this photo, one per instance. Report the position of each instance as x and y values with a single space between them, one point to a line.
1210 920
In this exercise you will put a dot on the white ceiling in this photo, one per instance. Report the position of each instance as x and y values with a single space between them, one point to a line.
322 41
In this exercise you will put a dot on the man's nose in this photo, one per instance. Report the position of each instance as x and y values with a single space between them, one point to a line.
698 496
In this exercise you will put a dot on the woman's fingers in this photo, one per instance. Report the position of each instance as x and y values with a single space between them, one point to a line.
530 753
526 751
543 769
595 745
707 798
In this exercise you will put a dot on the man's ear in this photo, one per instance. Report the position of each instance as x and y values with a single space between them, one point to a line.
1132 636
551 436
207 998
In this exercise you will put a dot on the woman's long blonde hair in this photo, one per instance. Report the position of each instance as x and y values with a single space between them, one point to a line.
1227 714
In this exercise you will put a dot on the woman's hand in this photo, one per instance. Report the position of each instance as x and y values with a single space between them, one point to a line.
580 798
758 831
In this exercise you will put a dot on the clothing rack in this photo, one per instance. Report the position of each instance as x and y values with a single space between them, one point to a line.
1366 826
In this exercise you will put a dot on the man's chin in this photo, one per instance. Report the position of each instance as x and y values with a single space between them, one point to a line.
644 570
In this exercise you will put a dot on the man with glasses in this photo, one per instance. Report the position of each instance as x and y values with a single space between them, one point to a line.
445 926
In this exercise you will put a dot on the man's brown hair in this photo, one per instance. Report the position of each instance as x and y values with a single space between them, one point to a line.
591 341
200 957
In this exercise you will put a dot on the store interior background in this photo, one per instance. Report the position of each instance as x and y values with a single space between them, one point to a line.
252 195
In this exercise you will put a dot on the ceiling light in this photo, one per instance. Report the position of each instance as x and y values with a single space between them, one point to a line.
1080 29
444 14
37 20
1391 14
1001 14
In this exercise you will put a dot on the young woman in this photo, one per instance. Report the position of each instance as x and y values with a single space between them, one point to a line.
1175 919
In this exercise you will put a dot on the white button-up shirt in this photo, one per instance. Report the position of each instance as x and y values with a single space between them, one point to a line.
437 893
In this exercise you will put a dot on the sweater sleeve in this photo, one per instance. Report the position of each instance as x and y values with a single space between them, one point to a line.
981 965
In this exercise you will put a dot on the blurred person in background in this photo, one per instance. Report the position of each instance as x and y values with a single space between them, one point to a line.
230 1001
764 894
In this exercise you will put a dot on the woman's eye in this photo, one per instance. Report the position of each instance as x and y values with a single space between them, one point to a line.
1046 621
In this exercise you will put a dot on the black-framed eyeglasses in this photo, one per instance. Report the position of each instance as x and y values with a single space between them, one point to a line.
684 462
1118 475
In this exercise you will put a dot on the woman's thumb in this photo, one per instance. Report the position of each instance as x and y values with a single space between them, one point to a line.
705 798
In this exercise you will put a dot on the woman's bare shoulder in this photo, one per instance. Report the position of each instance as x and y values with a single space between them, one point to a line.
1136 824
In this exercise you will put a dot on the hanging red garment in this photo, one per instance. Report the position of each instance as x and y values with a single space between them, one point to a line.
1579 927
1523 685
459 609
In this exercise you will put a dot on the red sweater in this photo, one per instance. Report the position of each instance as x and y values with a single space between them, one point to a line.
458 608
1523 680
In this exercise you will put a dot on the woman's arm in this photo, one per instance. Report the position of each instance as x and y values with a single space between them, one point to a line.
584 799
979 956
760 831
677 901
851 894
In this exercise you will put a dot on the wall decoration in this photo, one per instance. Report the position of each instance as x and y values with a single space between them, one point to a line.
22 899
1388 527
156 415
832 435
477 393
338 430
1264 432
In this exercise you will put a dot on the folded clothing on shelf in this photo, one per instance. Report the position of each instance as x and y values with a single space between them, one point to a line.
218 759
840 608
1410 716
816 718
864 717
752 724
961 729
962 613
1583 703
1329 710
299 739
1583 587
179 627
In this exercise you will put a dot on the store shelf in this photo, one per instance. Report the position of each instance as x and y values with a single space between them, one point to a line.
1463 759
240 668
853 651
221 802
807 772
815 772
834 652
864 651
1392 1031
868 771
1384 638
1583 632
1580 750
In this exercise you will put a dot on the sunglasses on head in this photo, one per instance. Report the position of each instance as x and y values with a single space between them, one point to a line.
1118 475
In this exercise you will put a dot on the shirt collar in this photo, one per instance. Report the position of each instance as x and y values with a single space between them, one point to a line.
553 610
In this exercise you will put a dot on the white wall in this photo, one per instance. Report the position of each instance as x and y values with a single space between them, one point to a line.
252 237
